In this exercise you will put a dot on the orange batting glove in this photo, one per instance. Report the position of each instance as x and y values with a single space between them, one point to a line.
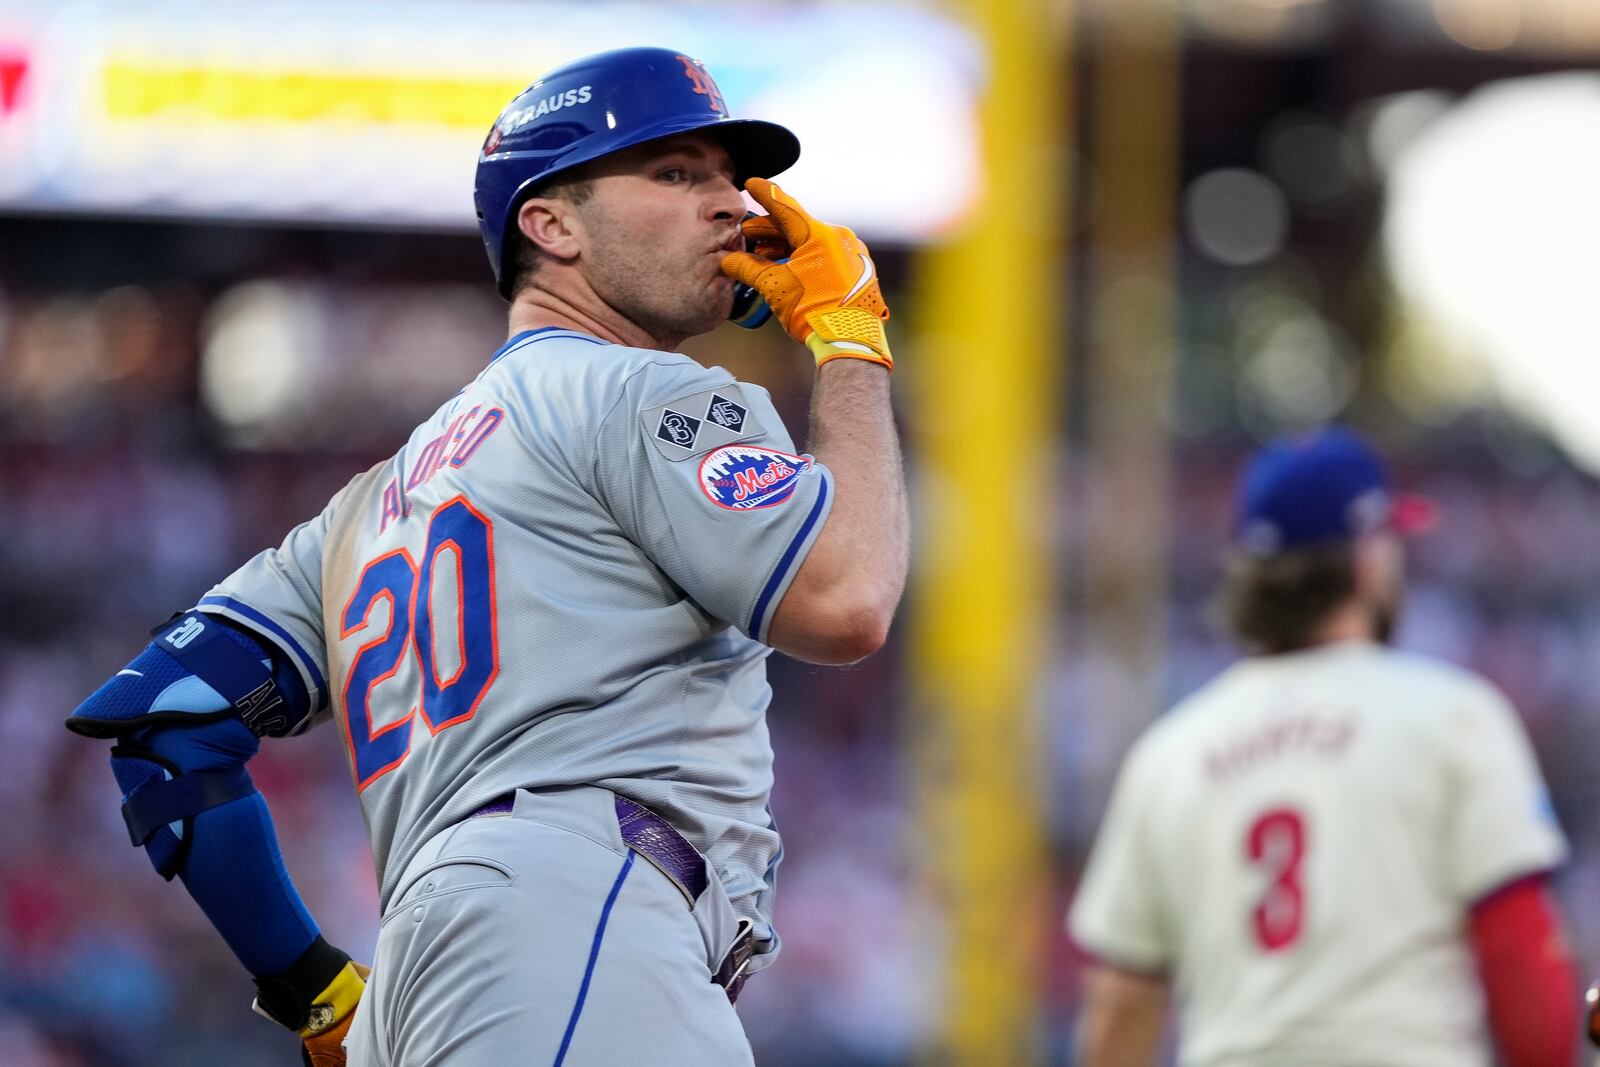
826 295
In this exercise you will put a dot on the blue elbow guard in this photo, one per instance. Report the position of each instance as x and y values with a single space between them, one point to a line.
199 668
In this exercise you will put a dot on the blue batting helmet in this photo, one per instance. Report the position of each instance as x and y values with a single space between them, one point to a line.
599 105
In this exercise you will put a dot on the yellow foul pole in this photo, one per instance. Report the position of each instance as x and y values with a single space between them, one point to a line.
1134 51
987 387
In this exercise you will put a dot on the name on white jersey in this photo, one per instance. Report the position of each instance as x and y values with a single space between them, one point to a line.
1306 734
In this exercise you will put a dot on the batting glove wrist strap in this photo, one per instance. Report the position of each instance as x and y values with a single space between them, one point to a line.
848 333
818 278
312 994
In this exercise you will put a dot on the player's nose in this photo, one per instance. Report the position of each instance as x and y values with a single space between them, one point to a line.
724 199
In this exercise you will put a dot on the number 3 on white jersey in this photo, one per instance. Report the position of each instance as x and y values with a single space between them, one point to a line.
1276 845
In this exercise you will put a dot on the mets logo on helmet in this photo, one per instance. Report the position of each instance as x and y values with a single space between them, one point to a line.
697 74
742 477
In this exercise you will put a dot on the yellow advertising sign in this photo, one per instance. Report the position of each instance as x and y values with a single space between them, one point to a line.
135 88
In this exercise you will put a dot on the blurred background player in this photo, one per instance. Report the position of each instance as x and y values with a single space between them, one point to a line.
1334 852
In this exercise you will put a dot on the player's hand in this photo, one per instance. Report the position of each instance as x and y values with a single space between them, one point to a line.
826 294
1591 1014
330 1020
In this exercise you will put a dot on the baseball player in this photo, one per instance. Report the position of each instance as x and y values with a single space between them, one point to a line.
1335 852
541 627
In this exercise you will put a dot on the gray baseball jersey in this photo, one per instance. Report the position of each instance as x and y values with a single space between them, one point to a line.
563 578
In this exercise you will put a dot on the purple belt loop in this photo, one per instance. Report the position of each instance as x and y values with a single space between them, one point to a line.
498 806
653 837
733 972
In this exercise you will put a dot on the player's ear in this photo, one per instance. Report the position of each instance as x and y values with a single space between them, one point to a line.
552 224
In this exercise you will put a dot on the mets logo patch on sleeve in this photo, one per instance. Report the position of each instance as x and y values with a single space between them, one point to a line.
743 477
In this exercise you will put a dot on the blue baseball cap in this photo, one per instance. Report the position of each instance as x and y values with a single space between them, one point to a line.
1317 489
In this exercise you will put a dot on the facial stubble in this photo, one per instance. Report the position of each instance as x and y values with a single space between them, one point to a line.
656 287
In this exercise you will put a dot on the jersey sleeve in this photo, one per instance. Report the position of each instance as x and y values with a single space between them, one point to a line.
278 596
1502 824
699 472
1116 914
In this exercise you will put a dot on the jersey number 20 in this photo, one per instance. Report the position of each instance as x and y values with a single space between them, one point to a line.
1276 844
459 536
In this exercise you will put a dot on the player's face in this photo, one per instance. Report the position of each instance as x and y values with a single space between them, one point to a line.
655 229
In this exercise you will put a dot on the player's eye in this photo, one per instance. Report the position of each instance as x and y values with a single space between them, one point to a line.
673 175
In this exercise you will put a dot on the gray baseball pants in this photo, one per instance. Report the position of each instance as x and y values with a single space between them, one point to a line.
537 937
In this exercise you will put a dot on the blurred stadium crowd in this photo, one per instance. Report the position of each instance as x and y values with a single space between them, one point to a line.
124 498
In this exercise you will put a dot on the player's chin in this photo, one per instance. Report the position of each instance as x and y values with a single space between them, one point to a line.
714 281
715 303
691 319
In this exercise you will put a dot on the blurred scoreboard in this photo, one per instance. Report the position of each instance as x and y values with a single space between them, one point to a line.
369 113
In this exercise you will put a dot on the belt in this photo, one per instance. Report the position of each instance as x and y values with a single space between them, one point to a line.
670 852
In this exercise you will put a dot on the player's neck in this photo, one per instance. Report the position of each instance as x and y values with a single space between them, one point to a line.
540 308
1351 621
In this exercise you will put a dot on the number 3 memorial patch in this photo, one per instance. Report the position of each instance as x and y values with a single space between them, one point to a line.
742 477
